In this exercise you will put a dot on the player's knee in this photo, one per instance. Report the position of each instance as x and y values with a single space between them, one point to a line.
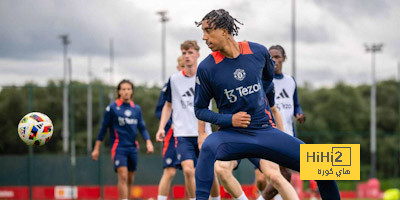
276 178
219 170
123 178
222 171
206 146
130 180
210 144
170 172
188 171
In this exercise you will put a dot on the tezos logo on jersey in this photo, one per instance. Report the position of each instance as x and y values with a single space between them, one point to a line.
122 121
243 91
239 74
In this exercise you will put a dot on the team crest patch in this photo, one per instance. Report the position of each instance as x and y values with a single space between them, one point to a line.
239 74
168 161
117 162
179 156
128 113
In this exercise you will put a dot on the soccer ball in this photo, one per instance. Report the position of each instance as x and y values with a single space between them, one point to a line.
35 128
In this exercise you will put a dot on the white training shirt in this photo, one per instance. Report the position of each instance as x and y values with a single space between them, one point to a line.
181 88
284 91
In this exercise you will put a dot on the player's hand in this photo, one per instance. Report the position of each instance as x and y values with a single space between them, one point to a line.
149 146
301 118
201 138
160 135
95 154
241 119
137 145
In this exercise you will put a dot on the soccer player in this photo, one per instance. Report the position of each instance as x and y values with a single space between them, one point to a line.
179 101
233 75
123 118
287 102
286 97
170 161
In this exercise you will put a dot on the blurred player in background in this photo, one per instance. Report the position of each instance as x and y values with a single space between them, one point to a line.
123 118
286 97
179 102
233 75
287 102
170 161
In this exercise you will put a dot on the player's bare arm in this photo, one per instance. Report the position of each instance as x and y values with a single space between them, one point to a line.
277 117
165 115
202 133
96 150
301 118
149 146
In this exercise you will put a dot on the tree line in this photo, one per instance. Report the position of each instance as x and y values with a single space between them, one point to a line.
340 114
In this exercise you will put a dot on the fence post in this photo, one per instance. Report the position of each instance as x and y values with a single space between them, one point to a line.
101 111
72 138
30 156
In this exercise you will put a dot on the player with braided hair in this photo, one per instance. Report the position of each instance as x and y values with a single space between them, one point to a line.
234 74
221 19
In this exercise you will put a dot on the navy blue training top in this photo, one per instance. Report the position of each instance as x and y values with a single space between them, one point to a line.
237 85
123 120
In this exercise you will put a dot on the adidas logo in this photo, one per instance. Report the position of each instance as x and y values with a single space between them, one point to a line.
189 93
39 126
283 94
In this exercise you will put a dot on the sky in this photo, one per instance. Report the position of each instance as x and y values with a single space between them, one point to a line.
330 37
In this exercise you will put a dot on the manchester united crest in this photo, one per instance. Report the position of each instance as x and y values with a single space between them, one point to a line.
239 74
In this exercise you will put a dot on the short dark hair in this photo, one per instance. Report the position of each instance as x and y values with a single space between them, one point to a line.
122 82
221 19
190 44
279 48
